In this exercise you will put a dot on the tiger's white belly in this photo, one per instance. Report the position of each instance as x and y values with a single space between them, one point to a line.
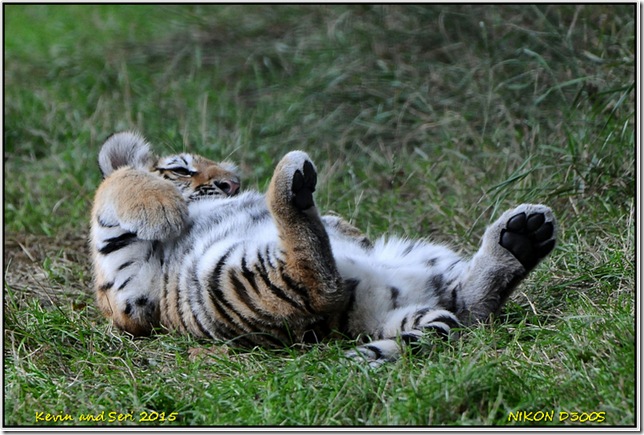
390 282
390 279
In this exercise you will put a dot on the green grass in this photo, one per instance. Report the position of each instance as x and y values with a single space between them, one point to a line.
424 120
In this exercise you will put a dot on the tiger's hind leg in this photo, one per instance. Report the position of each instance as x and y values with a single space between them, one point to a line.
510 249
308 258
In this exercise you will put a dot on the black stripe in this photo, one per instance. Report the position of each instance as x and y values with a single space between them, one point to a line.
403 323
437 281
241 291
219 300
418 314
375 350
177 304
126 264
266 319
281 333
166 290
248 275
178 292
412 341
441 332
263 274
180 313
451 266
267 256
410 337
408 249
195 288
116 243
122 286
279 292
298 289
394 296
455 291
105 287
449 321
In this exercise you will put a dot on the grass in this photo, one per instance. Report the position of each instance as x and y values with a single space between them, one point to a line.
424 120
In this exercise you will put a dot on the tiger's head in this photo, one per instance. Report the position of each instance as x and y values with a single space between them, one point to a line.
196 177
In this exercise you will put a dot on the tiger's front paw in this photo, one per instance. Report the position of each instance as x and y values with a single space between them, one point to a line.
158 217
376 353
145 205
294 181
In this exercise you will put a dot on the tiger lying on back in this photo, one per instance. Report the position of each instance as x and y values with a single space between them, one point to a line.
176 244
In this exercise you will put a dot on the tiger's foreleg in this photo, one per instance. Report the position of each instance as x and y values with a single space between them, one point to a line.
133 212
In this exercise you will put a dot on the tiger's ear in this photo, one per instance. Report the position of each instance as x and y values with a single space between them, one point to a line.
124 149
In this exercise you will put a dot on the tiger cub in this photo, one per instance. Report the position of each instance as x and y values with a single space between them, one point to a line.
176 244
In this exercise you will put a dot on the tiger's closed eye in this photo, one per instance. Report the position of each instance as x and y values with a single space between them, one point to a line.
182 171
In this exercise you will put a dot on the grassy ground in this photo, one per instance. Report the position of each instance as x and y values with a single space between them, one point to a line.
423 120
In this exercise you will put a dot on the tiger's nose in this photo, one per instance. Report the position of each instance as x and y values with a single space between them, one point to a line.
230 187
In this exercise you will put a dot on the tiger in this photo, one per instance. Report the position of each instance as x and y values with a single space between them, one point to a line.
177 245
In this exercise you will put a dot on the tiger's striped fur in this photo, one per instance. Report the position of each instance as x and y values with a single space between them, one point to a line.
176 244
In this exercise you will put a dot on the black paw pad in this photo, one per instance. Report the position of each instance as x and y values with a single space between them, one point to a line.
303 186
528 238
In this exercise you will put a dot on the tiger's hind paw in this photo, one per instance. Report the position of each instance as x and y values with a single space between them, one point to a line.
294 181
303 186
529 233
